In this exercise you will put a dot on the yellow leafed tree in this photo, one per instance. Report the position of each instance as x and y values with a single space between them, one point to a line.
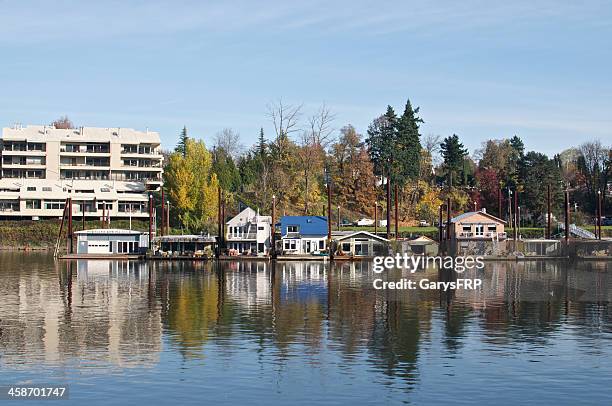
192 186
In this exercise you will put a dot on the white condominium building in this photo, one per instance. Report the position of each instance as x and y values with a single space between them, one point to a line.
104 170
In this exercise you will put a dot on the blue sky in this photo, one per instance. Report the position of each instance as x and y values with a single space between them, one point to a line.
539 69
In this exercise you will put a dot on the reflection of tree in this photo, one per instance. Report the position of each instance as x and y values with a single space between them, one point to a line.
192 308
394 341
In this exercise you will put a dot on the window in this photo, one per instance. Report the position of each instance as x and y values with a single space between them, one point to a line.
104 190
479 229
292 229
321 244
260 228
466 229
54 204
33 204
290 245
346 247
31 188
46 189
491 228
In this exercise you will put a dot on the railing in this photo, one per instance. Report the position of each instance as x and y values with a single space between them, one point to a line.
242 236
484 235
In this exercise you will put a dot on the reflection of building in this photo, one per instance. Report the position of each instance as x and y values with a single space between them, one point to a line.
249 233
104 315
477 225
106 171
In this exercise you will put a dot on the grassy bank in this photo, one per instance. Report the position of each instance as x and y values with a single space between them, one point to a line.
43 234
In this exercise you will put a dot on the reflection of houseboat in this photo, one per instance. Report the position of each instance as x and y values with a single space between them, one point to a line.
105 243
183 247
359 245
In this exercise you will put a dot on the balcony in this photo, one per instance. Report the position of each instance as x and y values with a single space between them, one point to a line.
488 235
242 236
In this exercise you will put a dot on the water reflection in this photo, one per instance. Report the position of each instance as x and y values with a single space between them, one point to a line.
126 314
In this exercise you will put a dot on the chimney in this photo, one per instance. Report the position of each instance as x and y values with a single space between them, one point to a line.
484 210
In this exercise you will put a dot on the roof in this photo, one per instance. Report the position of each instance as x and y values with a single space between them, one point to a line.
463 216
108 231
422 240
356 233
186 238
249 215
308 225
42 133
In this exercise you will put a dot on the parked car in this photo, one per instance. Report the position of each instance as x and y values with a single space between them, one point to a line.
607 221
364 222
423 223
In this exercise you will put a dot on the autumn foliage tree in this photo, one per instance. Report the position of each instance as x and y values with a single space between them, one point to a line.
192 187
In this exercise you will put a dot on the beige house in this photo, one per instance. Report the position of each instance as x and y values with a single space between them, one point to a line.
477 225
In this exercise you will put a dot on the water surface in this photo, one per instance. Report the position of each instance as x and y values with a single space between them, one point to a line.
304 333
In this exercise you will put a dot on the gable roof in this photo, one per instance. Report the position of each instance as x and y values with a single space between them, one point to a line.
247 215
463 216
356 233
422 240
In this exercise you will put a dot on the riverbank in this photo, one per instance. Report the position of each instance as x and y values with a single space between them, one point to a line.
42 235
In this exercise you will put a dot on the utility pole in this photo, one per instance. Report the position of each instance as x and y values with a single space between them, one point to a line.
440 224
516 215
273 239
388 207
163 213
510 218
218 221
448 218
70 231
329 226
396 213
150 221
499 203
567 216
599 214
375 217
549 214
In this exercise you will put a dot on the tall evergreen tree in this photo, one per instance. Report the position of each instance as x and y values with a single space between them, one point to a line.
453 153
181 147
408 145
262 144
381 142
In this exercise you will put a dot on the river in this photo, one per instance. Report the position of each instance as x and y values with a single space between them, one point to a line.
304 333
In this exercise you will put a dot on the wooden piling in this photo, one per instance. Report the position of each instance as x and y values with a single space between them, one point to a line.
549 213
396 199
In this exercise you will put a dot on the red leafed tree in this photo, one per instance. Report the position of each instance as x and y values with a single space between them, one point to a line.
488 184
63 123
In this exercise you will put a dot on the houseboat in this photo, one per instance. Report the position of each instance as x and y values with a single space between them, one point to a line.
183 247
477 225
302 236
248 233
359 245
105 243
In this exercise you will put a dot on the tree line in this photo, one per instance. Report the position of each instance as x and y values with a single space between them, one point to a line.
304 154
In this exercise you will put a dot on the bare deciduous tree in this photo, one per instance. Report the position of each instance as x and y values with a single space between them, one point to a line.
285 118
229 141
313 143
